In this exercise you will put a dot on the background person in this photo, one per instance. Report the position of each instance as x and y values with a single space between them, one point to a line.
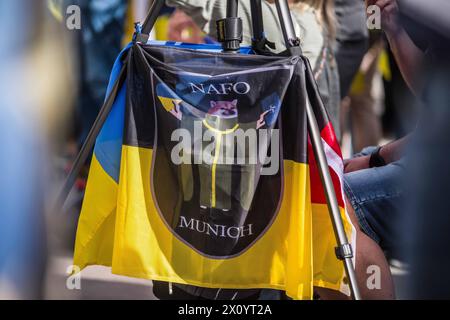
375 180
366 98
352 40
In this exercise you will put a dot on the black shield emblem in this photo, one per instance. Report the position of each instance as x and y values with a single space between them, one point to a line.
217 160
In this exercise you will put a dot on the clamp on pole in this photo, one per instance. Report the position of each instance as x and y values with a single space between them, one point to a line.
230 29
138 36
344 251
229 33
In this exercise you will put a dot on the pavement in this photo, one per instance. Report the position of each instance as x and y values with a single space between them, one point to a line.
97 283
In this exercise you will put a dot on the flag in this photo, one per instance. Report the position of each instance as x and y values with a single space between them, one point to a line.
203 175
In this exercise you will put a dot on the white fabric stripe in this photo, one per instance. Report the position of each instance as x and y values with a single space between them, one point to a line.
336 163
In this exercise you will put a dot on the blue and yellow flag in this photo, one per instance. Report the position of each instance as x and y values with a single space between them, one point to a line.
203 175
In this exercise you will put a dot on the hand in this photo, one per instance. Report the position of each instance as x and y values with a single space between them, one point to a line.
182 28
356 164
389 14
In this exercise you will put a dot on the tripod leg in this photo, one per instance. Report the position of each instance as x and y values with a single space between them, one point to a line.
257 20
287 26
344 250
260 43
90 141
232 8
152 16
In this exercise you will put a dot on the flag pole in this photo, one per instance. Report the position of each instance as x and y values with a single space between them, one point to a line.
344 251
260 43
142 35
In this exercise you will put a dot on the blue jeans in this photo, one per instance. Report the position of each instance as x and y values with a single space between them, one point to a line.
376 195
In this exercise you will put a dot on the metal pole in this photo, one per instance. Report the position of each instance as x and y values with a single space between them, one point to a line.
257 20
344 249
287 25
260 44
88 145
152 16
150 21
232 8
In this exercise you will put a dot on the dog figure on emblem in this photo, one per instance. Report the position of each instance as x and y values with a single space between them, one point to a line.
224 109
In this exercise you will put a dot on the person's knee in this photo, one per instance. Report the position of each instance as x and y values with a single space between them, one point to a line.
352 214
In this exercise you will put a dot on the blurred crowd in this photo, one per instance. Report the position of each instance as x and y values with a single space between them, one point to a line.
386 87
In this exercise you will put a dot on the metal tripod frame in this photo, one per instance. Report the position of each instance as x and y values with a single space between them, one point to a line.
344 250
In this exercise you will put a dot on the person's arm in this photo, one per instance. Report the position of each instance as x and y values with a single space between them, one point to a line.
395 150
179 23
408 56
391 152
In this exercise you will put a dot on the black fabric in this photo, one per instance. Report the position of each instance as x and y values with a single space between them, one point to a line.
154 73
170 89
163 291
